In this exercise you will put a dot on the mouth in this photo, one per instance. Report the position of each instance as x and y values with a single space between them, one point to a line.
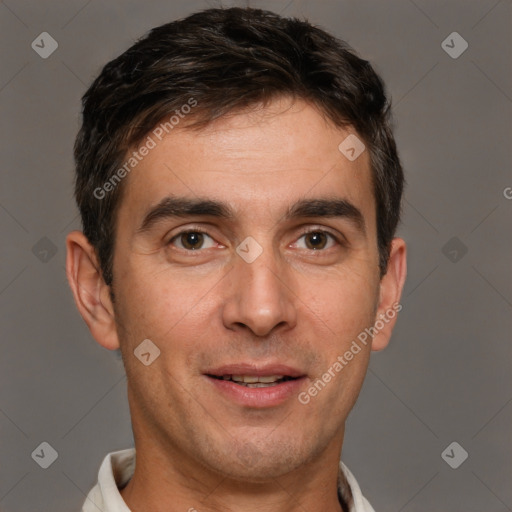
254 386
253 381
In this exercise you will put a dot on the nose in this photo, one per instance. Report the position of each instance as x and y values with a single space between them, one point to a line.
260 296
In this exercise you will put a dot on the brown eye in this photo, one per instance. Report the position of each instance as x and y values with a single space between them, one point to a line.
316 240
192 240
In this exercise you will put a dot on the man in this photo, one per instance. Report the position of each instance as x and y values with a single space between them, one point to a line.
239 188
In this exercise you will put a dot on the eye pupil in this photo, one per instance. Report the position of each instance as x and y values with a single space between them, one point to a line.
192 240
316 240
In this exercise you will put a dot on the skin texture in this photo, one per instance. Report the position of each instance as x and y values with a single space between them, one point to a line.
208 307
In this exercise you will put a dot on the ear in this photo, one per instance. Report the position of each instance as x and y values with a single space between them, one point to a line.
391 286
92 295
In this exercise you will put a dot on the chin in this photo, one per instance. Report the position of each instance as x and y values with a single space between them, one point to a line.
249 464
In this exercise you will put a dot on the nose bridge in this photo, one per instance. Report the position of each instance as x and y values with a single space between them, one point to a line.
264 277
259 297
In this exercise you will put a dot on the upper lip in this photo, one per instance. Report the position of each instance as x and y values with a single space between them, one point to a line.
255 370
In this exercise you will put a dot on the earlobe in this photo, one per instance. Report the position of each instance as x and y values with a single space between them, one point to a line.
391 287
90 292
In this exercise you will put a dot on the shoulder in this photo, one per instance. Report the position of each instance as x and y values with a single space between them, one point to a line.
354 495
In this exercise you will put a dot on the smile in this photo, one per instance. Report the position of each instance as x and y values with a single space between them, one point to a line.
254 381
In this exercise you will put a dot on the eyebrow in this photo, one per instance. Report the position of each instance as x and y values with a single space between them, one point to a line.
182 207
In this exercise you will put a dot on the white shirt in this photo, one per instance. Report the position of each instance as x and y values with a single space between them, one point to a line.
117 468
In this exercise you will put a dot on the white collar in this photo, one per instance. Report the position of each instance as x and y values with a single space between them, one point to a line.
117 468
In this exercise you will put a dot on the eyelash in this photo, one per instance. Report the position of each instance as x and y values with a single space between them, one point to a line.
204 232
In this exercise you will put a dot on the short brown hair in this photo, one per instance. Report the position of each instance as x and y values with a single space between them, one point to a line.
227 59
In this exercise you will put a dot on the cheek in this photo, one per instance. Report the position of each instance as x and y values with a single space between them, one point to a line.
345 300
162 306
341 312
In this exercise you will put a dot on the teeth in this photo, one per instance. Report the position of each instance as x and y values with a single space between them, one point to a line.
251 379
270 378
244 378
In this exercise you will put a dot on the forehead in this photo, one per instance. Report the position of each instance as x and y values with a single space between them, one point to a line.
259 161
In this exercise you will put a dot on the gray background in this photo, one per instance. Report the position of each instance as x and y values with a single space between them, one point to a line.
446 375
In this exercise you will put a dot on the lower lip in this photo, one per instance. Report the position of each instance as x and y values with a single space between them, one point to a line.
258 397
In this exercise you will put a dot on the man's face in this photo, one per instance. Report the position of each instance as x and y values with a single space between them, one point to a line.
215 312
